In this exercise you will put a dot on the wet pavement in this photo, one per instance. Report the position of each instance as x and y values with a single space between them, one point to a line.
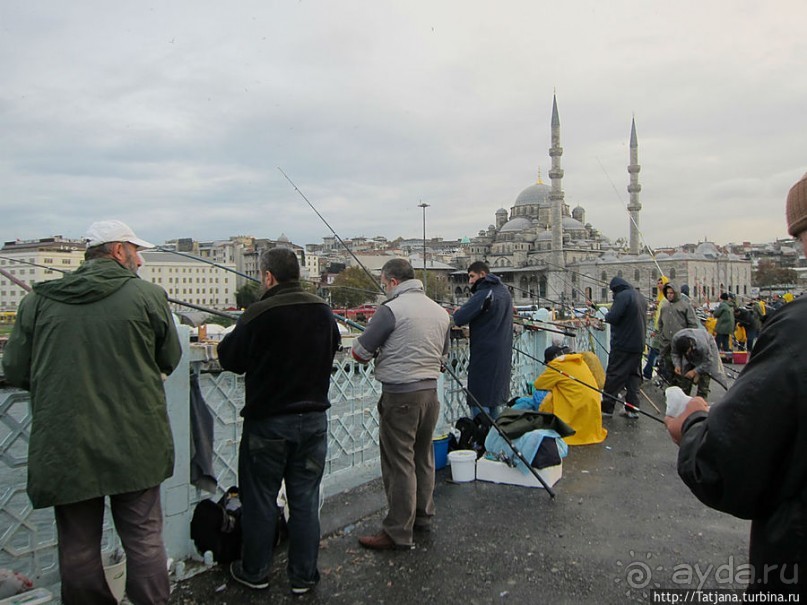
622 524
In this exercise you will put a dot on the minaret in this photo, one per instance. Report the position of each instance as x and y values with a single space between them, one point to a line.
556 193
634 188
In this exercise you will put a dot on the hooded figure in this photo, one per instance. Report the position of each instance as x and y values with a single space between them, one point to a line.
570 400
696 361
675 315
628 318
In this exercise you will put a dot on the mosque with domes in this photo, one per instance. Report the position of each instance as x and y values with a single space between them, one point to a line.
550 256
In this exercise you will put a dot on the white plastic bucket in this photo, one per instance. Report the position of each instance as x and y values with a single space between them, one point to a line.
115 573
463 465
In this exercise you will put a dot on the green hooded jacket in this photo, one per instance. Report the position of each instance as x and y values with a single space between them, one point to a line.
90 348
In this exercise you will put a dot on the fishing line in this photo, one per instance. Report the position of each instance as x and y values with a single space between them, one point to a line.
335 234
624 207
630 406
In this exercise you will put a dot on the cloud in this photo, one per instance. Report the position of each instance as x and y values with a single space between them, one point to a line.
175 117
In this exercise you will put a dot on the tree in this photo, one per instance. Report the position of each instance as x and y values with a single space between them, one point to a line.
353 287
436 285
247 294
769 273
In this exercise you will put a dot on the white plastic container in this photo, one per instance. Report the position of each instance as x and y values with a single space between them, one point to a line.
115 573
499 472
463 465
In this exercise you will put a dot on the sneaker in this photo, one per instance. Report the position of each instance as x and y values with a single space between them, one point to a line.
607 414
237 573
630 414
301 590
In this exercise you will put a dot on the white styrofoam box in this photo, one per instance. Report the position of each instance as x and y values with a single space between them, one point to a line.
499 472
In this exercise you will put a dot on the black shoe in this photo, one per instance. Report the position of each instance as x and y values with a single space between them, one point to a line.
237 572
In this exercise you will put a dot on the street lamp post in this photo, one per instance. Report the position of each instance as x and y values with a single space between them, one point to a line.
424 205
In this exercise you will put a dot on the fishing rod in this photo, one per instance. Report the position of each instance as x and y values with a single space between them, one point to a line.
489 419
632 220
520 322
336 235
591 278
171 300
14 280
630 406
588 325
209 262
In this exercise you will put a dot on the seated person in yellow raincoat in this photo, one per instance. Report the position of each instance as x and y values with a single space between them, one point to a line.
575 404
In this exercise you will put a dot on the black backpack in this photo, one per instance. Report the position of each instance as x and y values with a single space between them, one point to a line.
216 526
472 435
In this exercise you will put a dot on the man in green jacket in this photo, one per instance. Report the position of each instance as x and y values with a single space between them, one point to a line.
724 327
91 348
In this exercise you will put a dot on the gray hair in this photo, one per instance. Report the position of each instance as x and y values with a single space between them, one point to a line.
398 268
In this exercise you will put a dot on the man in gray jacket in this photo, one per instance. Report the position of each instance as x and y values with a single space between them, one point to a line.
695 360
408 336
675 315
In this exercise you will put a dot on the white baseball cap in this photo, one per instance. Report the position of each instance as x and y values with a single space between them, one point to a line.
103 232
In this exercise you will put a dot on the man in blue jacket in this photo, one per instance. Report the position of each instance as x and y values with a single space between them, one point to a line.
628 318
489 315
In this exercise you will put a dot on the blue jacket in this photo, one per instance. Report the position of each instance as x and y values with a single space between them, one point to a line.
628 317
489 315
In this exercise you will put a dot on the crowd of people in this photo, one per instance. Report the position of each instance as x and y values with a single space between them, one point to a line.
106 435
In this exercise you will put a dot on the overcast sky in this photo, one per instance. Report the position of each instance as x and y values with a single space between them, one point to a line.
174 116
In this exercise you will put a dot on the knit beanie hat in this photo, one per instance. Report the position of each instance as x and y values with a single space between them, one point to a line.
797 207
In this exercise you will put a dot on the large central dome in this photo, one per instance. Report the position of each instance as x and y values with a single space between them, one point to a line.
537 194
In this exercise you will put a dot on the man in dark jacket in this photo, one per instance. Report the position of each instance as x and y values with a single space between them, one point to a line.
747 456
489 315
91 348
628 319
285 343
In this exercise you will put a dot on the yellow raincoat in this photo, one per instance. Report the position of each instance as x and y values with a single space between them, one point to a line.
575 404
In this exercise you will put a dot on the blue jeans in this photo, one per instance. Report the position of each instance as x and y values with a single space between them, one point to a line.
291 447
492 411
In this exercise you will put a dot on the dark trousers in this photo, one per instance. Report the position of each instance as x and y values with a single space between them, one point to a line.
751 338
139 522
624 371
722 341
407 460
652 354
291 447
